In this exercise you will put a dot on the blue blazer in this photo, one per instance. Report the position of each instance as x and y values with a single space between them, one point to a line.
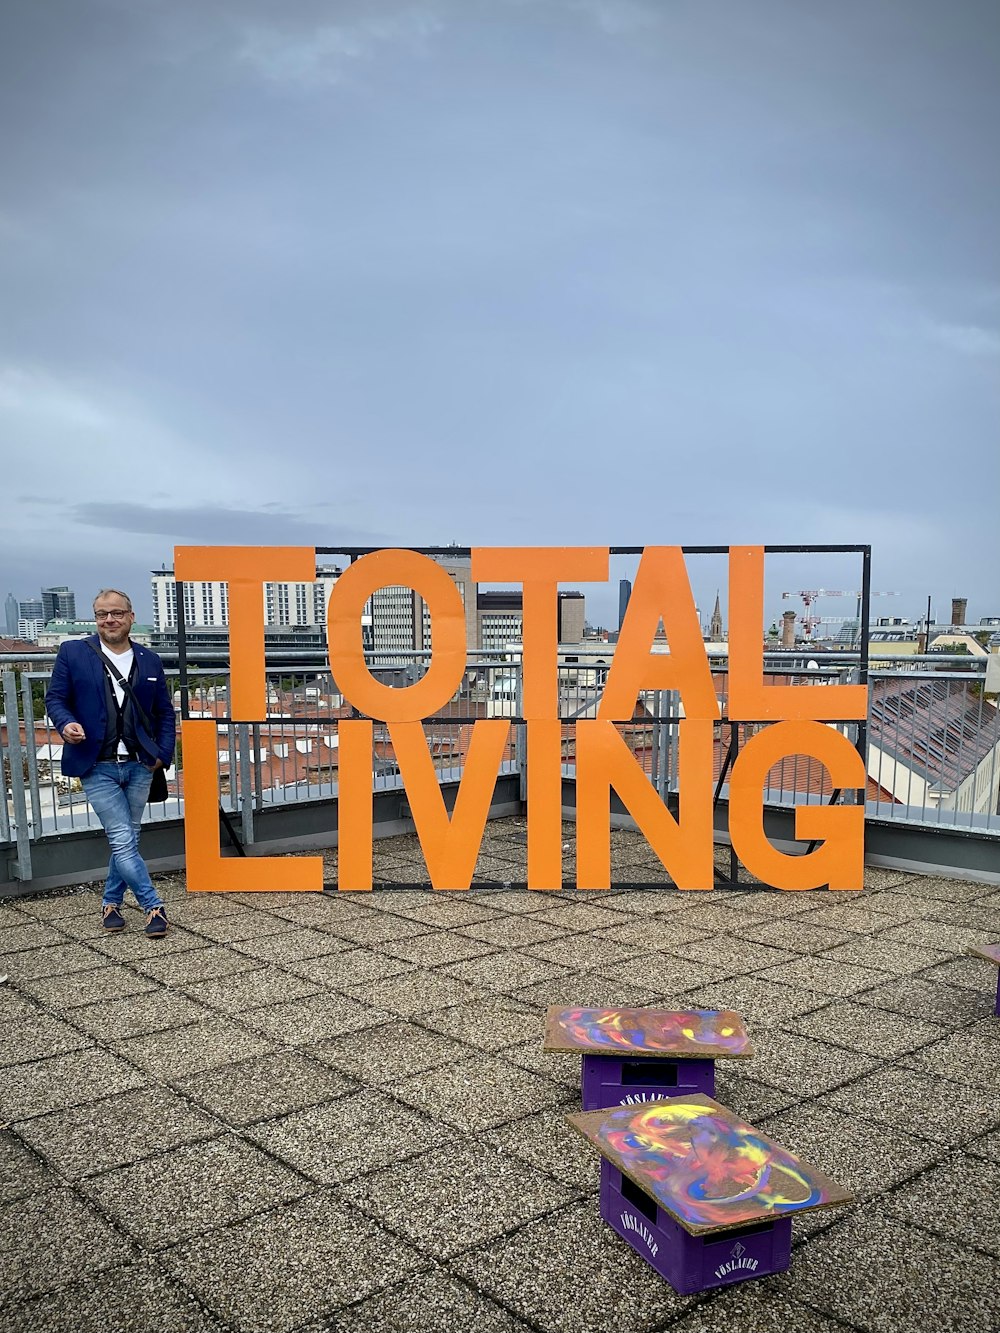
76 693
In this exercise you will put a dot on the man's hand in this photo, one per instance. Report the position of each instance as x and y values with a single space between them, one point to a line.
73 734
158 764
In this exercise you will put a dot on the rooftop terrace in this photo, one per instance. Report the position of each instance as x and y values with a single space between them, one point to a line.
332 1112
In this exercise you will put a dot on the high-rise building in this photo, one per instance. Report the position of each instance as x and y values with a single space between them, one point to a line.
32 609
11 614
500 616
624 593
58 604
206 603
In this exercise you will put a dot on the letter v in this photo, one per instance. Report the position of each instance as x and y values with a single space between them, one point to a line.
450 846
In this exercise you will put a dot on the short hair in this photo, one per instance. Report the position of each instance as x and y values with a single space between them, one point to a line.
112 592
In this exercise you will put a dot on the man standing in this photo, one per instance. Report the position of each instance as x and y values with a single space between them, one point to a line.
109 701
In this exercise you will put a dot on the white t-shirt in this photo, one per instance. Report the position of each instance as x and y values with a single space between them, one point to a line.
123 662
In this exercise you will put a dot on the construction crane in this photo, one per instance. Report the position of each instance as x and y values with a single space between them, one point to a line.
809 595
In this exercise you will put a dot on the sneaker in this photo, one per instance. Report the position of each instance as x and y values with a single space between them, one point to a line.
113 919
156 923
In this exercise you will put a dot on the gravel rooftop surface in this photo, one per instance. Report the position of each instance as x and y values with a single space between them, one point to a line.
304 1113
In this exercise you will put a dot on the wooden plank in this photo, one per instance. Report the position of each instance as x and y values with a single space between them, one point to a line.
692 1034
706 1167
991 952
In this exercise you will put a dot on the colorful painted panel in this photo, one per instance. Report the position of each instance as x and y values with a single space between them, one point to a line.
991 952
684 1033
709 1169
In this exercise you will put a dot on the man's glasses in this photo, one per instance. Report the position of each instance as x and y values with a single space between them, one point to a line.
111 615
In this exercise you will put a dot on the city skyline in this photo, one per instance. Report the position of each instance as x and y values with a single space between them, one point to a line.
505 272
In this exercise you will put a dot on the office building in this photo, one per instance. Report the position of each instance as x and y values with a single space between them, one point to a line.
58 604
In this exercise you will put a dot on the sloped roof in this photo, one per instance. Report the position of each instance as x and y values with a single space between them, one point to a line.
938 728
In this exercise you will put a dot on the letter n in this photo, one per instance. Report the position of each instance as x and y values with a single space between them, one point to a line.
604 762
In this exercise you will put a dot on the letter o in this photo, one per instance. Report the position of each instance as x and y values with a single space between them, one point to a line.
345 642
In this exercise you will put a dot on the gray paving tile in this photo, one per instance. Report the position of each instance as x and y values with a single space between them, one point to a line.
944 890
203 964
349 1137
416 992
457 1197
194 1049
901 1280
295 1263
559 1066
850 917
582 916
439 946
14 1007
442 911
887 954
352 967
712 916
733 957
864 1156
241 925
546 1142
511 932
900 905
798 934
52 906
64 1080
507 971
432 1301
550 1293
628 989
153 1011
966 1057
374 928
299 1022
884 877
291 946
774 903
240 991
72 989
85 1140
642 935
937 936
193 1188
970 973
384 1055
269 1086
322 911
132 946
28 935
827 976
956 1199
51 1240
919 1104
950 1006
489 1024
21 1171
136 1298
736 1088
761 1003
801 1065
665 976
580 952
988 1146
862 1027
479 1093
753 1307
36 1038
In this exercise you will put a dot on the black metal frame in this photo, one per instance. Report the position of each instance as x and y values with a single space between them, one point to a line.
464 552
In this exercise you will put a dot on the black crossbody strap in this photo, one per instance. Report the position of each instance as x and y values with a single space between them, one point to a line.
112 670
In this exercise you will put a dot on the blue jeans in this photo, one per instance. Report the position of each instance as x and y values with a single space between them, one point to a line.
118 795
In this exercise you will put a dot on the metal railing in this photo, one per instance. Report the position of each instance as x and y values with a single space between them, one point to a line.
932 745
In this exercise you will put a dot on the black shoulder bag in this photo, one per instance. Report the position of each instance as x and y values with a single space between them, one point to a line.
158 787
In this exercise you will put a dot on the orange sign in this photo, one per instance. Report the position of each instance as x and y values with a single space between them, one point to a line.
450 843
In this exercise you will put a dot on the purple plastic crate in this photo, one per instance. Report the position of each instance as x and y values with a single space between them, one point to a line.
610 1080
691 1263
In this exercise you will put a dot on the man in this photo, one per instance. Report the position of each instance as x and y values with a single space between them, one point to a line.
106 743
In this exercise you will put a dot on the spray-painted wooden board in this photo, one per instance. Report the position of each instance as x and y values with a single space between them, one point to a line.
991 952
694 1034
706 1167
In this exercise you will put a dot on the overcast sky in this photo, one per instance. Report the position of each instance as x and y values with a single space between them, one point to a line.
502 272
